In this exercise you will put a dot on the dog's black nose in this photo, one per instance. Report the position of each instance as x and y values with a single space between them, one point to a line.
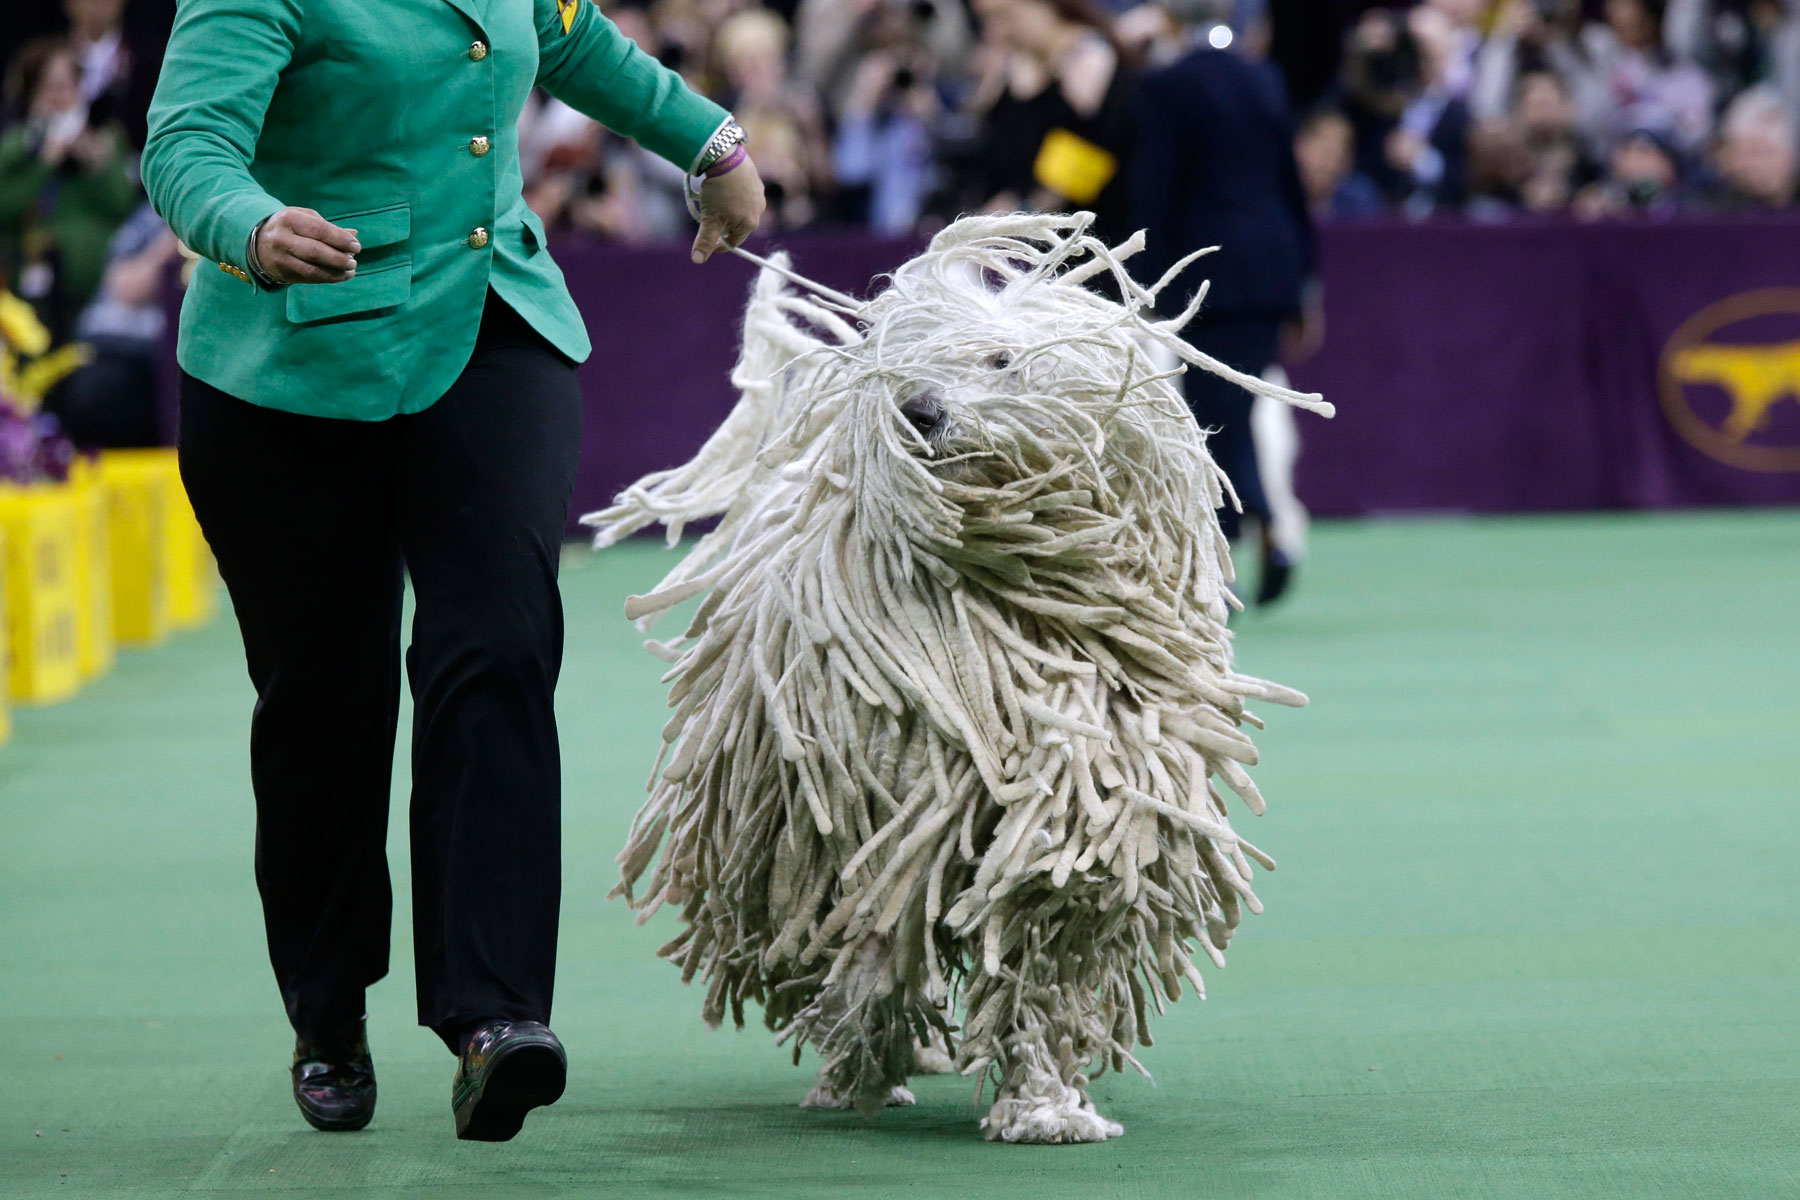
924 411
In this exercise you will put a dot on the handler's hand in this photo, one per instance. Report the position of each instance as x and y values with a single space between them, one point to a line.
731 206
297 245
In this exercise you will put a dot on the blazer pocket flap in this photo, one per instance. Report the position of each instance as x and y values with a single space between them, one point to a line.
384 287
378 226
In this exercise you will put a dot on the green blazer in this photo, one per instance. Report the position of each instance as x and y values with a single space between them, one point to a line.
395 118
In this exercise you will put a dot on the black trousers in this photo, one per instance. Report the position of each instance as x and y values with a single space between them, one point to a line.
313 521
1251 345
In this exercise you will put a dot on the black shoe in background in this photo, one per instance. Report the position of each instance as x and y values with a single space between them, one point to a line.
508 1068
1277 574
334 1079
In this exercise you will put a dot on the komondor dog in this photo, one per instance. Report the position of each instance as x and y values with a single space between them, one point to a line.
950 712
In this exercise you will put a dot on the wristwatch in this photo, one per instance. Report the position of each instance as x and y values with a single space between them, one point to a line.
253 260
727 138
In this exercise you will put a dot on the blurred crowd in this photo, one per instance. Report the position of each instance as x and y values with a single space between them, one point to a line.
899 114
83 258
1544 106
896 115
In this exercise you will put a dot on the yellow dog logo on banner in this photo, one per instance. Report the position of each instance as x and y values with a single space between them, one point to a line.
1755 365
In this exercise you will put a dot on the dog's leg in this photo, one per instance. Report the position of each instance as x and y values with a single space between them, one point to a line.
1039 1027
858 1023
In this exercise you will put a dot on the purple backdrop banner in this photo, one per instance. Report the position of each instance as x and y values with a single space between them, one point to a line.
1475 368
1557 367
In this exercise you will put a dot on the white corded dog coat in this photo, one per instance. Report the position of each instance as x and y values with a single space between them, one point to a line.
948 718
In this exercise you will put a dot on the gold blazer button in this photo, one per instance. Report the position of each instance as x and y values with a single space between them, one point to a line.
477 51
478 238
236 272
479 146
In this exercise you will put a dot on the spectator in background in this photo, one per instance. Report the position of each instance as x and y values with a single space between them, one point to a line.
1381 78
1214 166
1541 37
1307 44
66 185
1758 153
1650 89
782 119
1558 166
1462 25
112 400
884 147
1325 148
1643 178
1428 149
1499 167
684 31
1056 111
835 36
1147 36
1740 43
118 72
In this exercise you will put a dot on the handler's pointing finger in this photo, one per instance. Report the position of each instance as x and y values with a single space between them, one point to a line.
707 240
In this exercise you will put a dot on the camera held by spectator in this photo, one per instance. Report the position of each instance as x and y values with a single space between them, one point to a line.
1644 177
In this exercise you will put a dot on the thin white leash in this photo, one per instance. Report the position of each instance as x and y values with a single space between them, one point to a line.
848 304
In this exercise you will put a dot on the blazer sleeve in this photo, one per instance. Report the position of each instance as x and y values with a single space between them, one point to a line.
593 68
223 61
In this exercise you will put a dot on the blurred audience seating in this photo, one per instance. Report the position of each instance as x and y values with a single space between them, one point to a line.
894 116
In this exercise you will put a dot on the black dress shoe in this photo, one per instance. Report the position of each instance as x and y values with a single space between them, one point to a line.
508 1068
1277 575
334 1080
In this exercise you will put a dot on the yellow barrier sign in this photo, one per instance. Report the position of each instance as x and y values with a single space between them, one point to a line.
42 597
5 651
163 571
95 644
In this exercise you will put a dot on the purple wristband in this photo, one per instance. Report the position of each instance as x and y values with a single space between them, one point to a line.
737 155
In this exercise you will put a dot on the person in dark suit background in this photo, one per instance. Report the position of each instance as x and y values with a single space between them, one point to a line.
1214 166
1306 41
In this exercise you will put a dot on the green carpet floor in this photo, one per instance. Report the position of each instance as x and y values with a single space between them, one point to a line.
1534 932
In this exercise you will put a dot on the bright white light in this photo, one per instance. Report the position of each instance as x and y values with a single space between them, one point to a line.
1219 37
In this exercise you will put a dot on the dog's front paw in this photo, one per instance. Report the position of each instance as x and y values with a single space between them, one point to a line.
825 1096
1034 1120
